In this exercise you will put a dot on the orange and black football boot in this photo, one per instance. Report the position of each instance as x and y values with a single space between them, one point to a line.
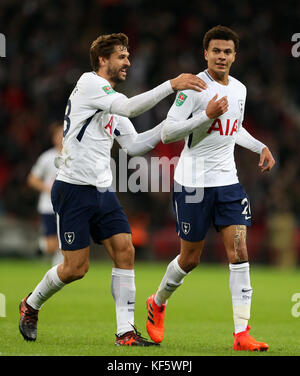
28 320
155 320
244 342
133 338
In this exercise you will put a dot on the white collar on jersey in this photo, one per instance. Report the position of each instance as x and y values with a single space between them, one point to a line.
210 77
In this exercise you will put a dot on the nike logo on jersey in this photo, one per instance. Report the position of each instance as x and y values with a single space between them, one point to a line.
128 302
228 129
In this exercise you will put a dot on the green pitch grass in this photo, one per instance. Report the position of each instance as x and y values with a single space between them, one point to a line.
80 319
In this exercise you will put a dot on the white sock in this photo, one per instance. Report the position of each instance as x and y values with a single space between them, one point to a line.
172 279
123 291
48 286
241 291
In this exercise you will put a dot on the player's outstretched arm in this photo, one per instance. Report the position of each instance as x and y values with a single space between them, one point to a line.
131 107
175 130
138 143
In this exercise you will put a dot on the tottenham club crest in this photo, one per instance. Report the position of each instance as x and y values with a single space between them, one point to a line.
185 227
69 237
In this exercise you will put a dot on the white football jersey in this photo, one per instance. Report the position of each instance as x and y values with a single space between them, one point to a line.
207 159
45 169
89 132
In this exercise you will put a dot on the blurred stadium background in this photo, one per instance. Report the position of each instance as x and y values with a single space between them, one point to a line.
47 49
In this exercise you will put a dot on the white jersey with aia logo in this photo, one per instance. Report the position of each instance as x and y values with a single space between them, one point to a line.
207 159
89 132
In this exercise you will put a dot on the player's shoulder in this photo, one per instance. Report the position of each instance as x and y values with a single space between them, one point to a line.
205 77
238 84
92 77
91 80
193 93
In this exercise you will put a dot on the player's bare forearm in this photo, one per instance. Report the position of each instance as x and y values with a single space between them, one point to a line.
186 81
266 161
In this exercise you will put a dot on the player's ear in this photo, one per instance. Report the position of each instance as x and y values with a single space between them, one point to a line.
205 55
234 55
102 61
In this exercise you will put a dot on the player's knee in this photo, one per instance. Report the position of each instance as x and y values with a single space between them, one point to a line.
129 251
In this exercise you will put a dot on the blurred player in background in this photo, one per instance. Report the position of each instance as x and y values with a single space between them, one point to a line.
41 178
206 186
85 205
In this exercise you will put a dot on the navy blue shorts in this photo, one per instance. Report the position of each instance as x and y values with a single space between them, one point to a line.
220 206
82 211
48 224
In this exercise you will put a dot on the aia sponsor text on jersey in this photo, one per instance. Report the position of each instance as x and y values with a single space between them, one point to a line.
226 129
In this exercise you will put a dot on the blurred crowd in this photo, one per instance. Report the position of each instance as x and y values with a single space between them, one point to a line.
47 49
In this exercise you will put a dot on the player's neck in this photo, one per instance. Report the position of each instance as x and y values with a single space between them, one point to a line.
221 78
103 74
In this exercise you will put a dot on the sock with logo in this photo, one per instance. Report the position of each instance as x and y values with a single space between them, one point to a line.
172 279
48 286
123 291
241 291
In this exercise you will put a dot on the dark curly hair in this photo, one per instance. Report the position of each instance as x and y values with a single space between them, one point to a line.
223 33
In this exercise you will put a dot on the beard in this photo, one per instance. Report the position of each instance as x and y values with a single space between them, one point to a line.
114 74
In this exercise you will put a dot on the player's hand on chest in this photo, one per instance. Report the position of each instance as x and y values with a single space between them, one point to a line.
229 108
